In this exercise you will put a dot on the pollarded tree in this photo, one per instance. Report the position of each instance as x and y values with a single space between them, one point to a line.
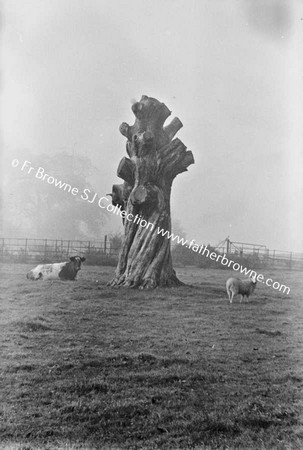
155 159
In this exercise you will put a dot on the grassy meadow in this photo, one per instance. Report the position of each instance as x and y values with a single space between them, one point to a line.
85 366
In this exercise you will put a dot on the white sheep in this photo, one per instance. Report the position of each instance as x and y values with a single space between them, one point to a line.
245 288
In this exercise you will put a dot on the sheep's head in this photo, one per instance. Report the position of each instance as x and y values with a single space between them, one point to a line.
254 279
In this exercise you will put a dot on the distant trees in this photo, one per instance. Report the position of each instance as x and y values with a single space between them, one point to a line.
116 240
36 208
178 230
184 256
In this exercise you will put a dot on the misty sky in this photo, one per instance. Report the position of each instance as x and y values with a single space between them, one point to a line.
230 70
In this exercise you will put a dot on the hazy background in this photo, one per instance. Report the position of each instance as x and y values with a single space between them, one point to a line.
230 70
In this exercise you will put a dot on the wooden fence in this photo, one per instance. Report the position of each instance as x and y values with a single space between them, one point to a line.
267 257
47 250
104 252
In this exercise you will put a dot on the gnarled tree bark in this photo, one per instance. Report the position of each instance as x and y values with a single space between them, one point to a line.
155 159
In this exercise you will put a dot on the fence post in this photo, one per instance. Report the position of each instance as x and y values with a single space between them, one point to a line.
45 248
266 259
25 251
105 244
227 245
88 248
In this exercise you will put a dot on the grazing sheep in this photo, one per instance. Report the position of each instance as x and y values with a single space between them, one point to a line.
245 288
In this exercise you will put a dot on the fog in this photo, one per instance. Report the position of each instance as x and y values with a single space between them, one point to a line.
231 71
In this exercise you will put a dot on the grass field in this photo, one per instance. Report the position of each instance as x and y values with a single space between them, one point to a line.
84 366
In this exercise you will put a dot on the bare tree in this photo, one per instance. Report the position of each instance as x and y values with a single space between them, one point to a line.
42 210
155 159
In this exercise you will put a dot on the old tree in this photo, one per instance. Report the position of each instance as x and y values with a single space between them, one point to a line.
155 159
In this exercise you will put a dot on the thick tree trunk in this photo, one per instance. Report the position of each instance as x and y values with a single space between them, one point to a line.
154 161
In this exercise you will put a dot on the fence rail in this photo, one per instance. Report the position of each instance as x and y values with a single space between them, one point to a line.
273 258
45 250
104 251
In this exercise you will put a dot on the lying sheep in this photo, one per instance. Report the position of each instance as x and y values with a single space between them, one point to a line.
245 288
